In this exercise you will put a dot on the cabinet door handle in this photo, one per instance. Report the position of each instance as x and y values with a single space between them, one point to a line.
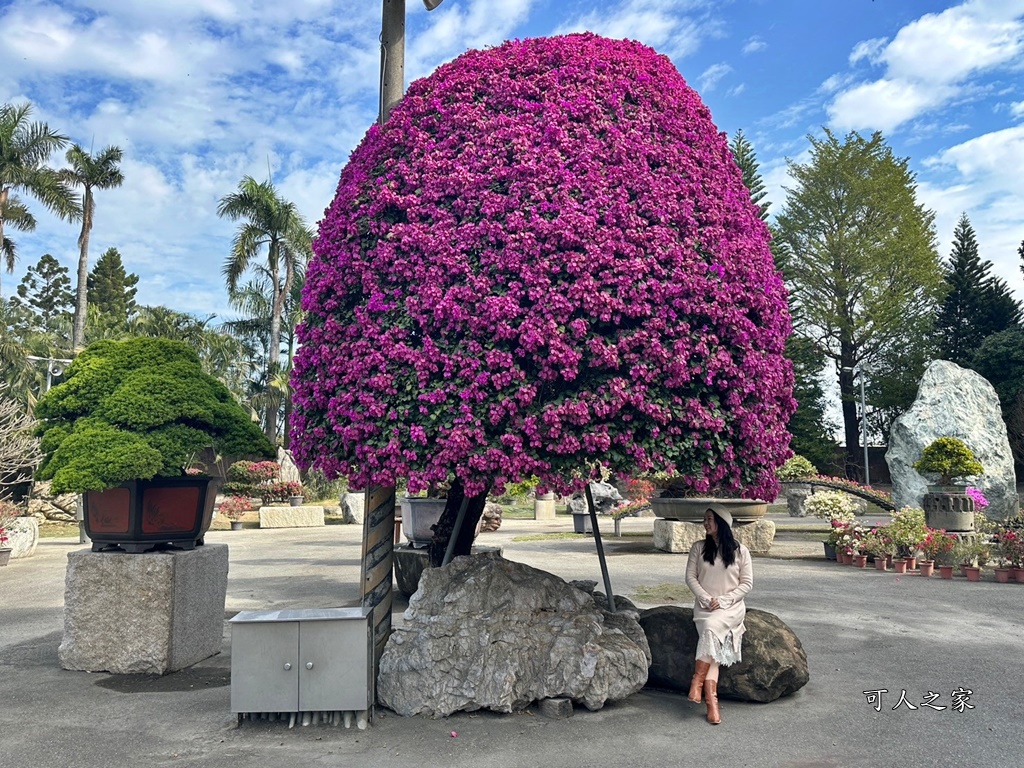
309 665
287 666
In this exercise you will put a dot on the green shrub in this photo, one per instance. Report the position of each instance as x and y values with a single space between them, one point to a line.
949 458
796 468
135 409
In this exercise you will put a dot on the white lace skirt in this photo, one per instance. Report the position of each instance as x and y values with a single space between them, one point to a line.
725 653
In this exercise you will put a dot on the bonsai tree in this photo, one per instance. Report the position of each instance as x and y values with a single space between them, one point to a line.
796 468
132 410
948 458
545 259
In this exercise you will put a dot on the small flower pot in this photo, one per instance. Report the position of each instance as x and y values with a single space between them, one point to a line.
830 551
912 563
899 566
860 561
946 572
927 568
1018 575
236 525
5 555
847 558
880 563
972 572
1003 575
295 501
889 561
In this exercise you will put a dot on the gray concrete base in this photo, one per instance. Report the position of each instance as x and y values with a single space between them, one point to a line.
152 613
544 507
291 517
22 536
679 536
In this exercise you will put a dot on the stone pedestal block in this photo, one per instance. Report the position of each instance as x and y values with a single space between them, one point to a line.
152 613
22 536
291 517
544 507
679 536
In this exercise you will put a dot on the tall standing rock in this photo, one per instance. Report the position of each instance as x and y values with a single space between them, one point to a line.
954 402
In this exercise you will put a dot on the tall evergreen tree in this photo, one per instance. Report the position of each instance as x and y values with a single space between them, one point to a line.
112 290
25 148
746 159
977 304
90 173
809 427
862 263
46 292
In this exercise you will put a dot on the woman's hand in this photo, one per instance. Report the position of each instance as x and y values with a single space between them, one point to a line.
714 605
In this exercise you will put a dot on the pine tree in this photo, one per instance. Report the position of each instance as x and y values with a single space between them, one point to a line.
978 304
112 290
46 292
746 159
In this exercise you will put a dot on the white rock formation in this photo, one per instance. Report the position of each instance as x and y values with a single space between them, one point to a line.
488 633
954 402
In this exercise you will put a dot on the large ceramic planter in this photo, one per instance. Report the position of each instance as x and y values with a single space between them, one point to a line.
948 508
692 510
419 514
142 515
581 522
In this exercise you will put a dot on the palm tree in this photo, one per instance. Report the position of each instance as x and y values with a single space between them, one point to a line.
268 220
89 173
25 148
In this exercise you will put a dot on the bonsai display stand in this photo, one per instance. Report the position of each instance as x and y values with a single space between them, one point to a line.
679 536
149 613
309 516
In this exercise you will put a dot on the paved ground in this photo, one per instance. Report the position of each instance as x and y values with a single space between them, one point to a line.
862 631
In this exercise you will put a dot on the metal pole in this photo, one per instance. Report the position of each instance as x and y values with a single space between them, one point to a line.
392 57
600 550
455 533
864 429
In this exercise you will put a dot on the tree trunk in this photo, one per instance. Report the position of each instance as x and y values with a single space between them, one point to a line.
851 425
445 527
274 355
81 291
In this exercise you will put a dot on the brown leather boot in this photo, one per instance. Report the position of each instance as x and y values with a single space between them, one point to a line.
700 671
711 696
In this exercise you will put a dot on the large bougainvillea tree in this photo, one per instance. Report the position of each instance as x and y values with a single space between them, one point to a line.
546 257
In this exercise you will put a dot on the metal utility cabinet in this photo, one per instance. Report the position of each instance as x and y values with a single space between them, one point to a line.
291 661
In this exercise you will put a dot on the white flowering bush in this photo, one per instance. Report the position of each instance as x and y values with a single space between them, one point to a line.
831 505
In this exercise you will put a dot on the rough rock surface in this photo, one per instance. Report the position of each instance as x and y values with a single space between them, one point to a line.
679 536
152 613
44 505
774 663
606 498
953 402
352 507
289 470
795 498
22 536
491 518
488 633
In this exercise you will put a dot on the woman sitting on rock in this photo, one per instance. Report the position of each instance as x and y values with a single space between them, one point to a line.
719 573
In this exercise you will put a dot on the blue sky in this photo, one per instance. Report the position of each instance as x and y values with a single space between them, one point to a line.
201 92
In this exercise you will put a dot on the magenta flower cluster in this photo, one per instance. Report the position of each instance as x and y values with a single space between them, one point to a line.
545 258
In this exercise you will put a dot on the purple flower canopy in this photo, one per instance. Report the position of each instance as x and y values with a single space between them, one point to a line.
545 258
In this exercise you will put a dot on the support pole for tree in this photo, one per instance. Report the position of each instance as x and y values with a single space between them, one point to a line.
378 561
392 57
600 549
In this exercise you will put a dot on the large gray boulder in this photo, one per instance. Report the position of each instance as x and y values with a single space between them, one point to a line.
774 663
953 402
488 633
606 498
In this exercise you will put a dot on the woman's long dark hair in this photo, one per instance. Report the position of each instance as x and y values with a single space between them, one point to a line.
726 541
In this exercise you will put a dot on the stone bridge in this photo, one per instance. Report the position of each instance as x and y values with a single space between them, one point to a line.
869 496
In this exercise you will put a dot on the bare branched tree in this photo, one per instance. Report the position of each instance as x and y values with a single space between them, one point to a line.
19 448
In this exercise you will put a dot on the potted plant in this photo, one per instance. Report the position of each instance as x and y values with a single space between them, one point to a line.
832 541
878 544
7 513
947 459
937 547
233 508
831 505
122 429
908 531
971 552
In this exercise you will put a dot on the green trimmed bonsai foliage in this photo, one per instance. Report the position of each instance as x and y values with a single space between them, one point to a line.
796 468
949 458
132 410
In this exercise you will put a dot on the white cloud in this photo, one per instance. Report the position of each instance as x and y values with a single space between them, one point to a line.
930 62
711 76
674 27
754 45
1017 109
737 90
868 49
